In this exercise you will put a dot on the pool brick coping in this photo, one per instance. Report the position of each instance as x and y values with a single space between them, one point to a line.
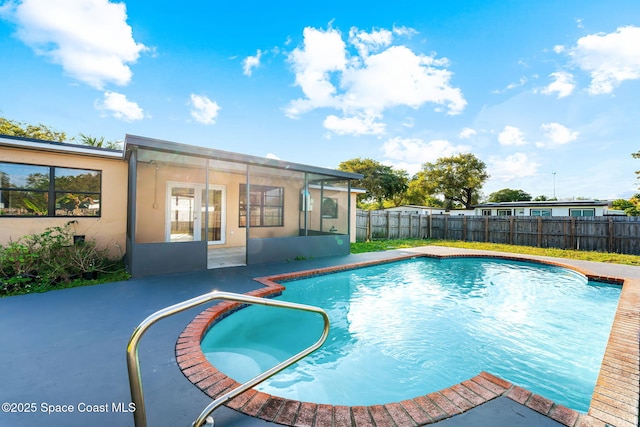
614 401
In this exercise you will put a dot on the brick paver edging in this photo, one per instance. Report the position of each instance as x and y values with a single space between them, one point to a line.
421 410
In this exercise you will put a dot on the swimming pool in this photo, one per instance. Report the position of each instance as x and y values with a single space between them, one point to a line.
427 331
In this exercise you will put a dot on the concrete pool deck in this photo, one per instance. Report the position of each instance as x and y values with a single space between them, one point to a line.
65 351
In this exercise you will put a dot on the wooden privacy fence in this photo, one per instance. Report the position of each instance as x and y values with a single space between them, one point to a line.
619 234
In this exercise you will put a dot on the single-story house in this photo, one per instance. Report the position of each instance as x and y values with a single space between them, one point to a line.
171 207
547 208
418 209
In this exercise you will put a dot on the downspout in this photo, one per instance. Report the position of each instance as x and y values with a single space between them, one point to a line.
349 209
321 200
248 217
306 201
131 210
206 208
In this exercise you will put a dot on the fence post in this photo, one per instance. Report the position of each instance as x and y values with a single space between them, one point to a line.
369 227
610 235
539 231
486 229
388 224
446 227
573 233
410 225
511 230
464 228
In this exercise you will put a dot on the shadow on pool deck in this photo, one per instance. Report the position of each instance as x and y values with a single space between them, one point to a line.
65 351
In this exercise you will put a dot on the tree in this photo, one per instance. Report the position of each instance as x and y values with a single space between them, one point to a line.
400 184
458 179
45 133
631 207
98 142
509 195
23 130
381 182
636 155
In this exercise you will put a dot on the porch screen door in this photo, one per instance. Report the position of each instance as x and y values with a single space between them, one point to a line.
187 209
216 217
182 213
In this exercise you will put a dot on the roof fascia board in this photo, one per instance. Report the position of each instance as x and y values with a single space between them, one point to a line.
545 204
210 153
59 147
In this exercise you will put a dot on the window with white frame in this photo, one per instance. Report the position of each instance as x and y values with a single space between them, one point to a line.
540 212
504 212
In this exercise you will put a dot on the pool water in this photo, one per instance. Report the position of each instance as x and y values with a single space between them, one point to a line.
409 328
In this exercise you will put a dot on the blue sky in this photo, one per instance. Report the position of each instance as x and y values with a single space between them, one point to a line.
545 93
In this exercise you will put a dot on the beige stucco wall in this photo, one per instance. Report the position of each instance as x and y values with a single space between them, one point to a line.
109 230
151 203
340 223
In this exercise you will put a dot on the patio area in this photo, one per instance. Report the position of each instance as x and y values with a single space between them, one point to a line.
65 350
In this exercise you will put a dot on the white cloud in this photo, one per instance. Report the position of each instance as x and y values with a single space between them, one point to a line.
511 86
374 41
511 135
120 107
353 125
558 134
323 52
411 153
517 165
610 58
563 84
90 39
404 31
251 62
521 82
409 122
203 109
368 75
397 76
467 133
559 48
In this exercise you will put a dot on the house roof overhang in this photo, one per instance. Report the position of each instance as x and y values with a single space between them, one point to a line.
59 147
557 203
132 142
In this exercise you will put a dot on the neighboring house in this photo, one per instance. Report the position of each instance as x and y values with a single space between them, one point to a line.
547 208
421 210
177 207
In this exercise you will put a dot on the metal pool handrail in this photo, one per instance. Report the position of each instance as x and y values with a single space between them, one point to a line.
133 362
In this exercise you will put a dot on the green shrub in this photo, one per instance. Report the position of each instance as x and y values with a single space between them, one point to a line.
39 262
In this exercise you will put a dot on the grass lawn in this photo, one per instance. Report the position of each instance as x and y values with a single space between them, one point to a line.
381 245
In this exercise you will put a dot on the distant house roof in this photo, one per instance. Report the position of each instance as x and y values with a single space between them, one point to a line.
334 188
210 153
60 147
543 203
413 207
